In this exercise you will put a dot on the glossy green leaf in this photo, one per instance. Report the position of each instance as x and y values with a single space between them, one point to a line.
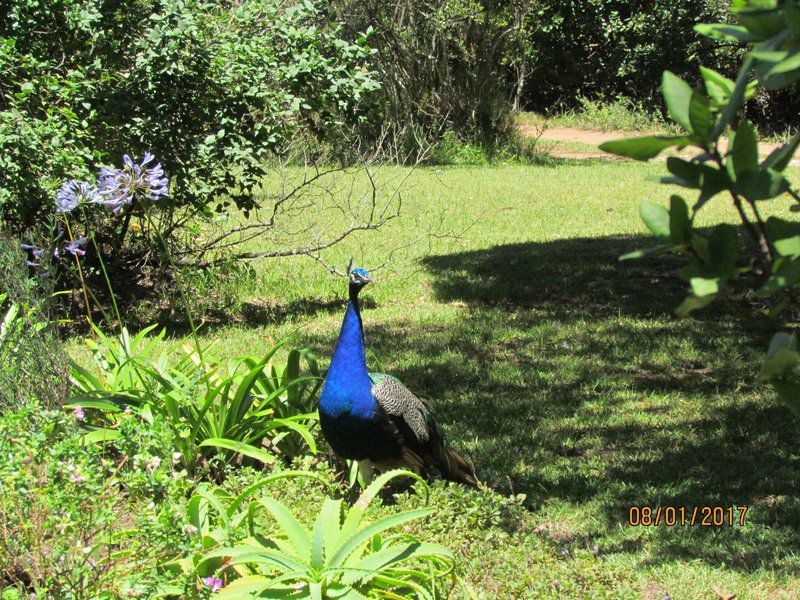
790 63
240 448
356 512
101 435
744 153
656 218
249 586
392 554
718 87
759 17
704 287
708 180
789 247
728 33
679 221
296 533
351 543
678 97
740 90
102 405
767 56
786 275
250 490
785 236
325 533
643 148
761 185
700 117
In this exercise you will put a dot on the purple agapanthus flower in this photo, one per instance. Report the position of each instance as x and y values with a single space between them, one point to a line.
33 252
74 247
73 193
214 583
119 187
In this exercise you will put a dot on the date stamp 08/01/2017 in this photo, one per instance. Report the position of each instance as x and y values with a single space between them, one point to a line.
681 516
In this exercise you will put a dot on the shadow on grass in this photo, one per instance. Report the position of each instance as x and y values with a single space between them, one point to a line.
563 374
251 314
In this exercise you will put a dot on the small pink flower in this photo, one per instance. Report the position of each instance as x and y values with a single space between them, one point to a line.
27 460
75 478
127 409
153 463
190 529
214 583
79 413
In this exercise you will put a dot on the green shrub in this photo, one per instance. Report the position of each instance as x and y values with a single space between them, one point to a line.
214 89
77 522
442 67
604 48
248 406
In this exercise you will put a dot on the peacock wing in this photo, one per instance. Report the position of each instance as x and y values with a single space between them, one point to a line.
424 441
406 410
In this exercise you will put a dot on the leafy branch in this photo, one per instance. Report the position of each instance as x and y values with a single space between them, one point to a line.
733 166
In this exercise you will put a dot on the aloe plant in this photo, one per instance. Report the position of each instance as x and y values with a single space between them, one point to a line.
340 556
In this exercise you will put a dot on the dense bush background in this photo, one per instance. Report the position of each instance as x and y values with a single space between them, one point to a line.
441 64
214 89
610 47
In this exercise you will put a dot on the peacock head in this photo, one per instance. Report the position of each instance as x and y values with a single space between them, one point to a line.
358 279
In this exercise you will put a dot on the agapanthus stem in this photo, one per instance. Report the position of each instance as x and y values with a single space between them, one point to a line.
108 280
83 280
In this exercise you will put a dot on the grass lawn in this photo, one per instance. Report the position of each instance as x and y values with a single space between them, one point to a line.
563 375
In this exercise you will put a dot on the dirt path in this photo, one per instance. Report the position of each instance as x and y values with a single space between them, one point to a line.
555 137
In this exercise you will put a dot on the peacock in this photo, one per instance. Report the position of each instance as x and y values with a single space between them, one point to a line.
372 417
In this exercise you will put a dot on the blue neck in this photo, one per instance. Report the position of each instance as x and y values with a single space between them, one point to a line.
348 388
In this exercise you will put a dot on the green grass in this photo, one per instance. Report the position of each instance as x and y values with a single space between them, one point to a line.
562 374
617 114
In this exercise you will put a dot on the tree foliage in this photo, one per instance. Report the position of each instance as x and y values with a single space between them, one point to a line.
717 260
213 88
610 47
